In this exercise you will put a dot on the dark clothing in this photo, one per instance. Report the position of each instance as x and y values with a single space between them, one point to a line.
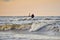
32 16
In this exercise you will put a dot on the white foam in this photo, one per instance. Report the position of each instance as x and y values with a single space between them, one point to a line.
36 26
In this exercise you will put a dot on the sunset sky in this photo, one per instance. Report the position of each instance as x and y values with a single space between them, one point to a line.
24 7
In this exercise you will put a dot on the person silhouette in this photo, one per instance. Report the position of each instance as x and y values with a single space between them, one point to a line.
32 16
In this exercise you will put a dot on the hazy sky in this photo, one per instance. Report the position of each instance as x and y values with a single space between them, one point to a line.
24 7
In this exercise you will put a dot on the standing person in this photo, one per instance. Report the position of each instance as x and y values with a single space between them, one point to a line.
32 16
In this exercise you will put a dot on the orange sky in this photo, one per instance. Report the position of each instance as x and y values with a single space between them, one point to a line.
24 7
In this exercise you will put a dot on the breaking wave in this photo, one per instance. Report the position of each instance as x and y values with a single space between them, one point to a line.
14 28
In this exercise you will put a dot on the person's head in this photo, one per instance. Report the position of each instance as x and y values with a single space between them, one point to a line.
32 14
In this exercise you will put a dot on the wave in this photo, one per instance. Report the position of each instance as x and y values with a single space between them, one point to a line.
36 26
46 26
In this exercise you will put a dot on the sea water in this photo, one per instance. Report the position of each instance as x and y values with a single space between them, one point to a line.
26 35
